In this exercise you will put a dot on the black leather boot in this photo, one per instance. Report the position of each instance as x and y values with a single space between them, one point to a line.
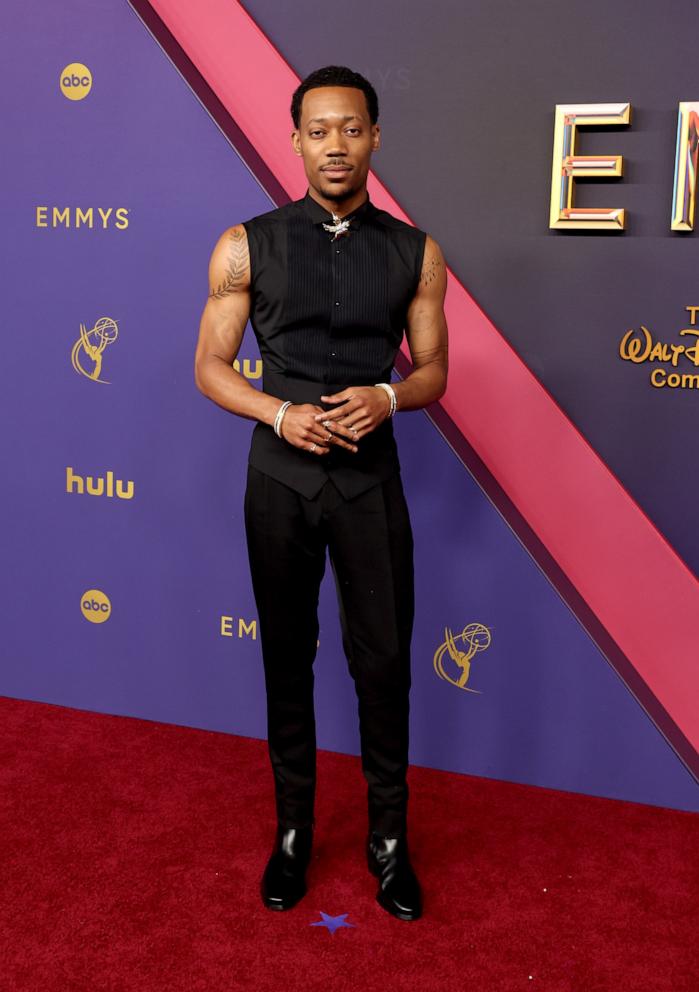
284 879
399 890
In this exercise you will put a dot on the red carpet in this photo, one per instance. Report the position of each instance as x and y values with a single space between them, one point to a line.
132 850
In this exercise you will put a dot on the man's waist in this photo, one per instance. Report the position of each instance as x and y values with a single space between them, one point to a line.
377 443
300 390
376 459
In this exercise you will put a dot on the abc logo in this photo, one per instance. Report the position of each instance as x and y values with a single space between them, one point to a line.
95 606
76 81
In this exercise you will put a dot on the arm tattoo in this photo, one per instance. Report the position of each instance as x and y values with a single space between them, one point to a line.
429 271
238 262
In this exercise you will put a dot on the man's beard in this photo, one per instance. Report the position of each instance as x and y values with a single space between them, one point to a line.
338 196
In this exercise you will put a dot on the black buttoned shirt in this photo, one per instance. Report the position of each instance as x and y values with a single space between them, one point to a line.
329 312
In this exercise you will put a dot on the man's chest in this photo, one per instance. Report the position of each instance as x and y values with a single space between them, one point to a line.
303 276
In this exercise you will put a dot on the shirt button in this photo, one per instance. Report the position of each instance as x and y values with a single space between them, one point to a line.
337 251
337 303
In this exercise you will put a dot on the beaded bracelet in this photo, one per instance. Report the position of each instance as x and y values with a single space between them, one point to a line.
280 416
392 395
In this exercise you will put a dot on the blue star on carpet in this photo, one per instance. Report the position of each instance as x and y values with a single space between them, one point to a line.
333 923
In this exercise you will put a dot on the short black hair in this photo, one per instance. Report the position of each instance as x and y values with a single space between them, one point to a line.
335 75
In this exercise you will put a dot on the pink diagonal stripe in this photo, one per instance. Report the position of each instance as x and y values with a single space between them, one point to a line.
629 575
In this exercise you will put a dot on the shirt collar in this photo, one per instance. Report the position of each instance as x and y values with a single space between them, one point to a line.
319 215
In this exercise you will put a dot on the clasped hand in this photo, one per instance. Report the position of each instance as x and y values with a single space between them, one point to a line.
361 409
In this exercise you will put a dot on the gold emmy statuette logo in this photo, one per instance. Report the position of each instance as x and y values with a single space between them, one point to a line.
95 606
76 81
474 637
90 346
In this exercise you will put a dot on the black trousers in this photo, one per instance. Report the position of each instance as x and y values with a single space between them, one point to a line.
369 541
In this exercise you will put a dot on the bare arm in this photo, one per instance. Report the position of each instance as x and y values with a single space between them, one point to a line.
221 332
427 336
220 335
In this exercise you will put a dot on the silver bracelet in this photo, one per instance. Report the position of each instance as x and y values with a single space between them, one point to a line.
392 395
280 416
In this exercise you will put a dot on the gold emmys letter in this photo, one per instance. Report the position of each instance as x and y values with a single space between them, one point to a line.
567 165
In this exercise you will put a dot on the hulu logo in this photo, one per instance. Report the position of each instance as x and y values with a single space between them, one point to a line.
97 485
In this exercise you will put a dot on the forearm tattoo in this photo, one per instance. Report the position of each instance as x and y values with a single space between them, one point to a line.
430 270
238 263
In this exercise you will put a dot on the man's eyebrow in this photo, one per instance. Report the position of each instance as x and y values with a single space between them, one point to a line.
323 120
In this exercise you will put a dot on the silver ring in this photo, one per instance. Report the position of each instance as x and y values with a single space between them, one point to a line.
313 446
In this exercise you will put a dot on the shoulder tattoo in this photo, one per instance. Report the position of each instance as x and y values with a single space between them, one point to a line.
238 262
430 270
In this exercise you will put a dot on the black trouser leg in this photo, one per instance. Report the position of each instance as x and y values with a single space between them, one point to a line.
286 550
371 552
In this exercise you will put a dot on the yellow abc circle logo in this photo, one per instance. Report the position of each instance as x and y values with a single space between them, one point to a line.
95 606
76 81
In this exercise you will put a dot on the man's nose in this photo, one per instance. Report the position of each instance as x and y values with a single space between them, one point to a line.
338 147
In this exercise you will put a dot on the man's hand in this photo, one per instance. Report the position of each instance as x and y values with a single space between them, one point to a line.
301 428
363 409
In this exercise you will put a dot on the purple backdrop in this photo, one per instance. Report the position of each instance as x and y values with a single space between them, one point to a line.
549 710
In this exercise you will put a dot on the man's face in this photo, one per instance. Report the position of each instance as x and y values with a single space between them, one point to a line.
335 131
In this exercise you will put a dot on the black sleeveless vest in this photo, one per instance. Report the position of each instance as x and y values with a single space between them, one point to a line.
329 313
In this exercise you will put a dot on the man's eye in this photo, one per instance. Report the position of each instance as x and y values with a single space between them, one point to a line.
354 130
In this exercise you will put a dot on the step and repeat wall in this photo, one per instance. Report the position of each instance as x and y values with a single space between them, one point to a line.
126 586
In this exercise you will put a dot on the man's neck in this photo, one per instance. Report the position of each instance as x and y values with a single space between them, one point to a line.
342 208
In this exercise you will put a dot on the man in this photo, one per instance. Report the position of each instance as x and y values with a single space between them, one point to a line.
330 283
